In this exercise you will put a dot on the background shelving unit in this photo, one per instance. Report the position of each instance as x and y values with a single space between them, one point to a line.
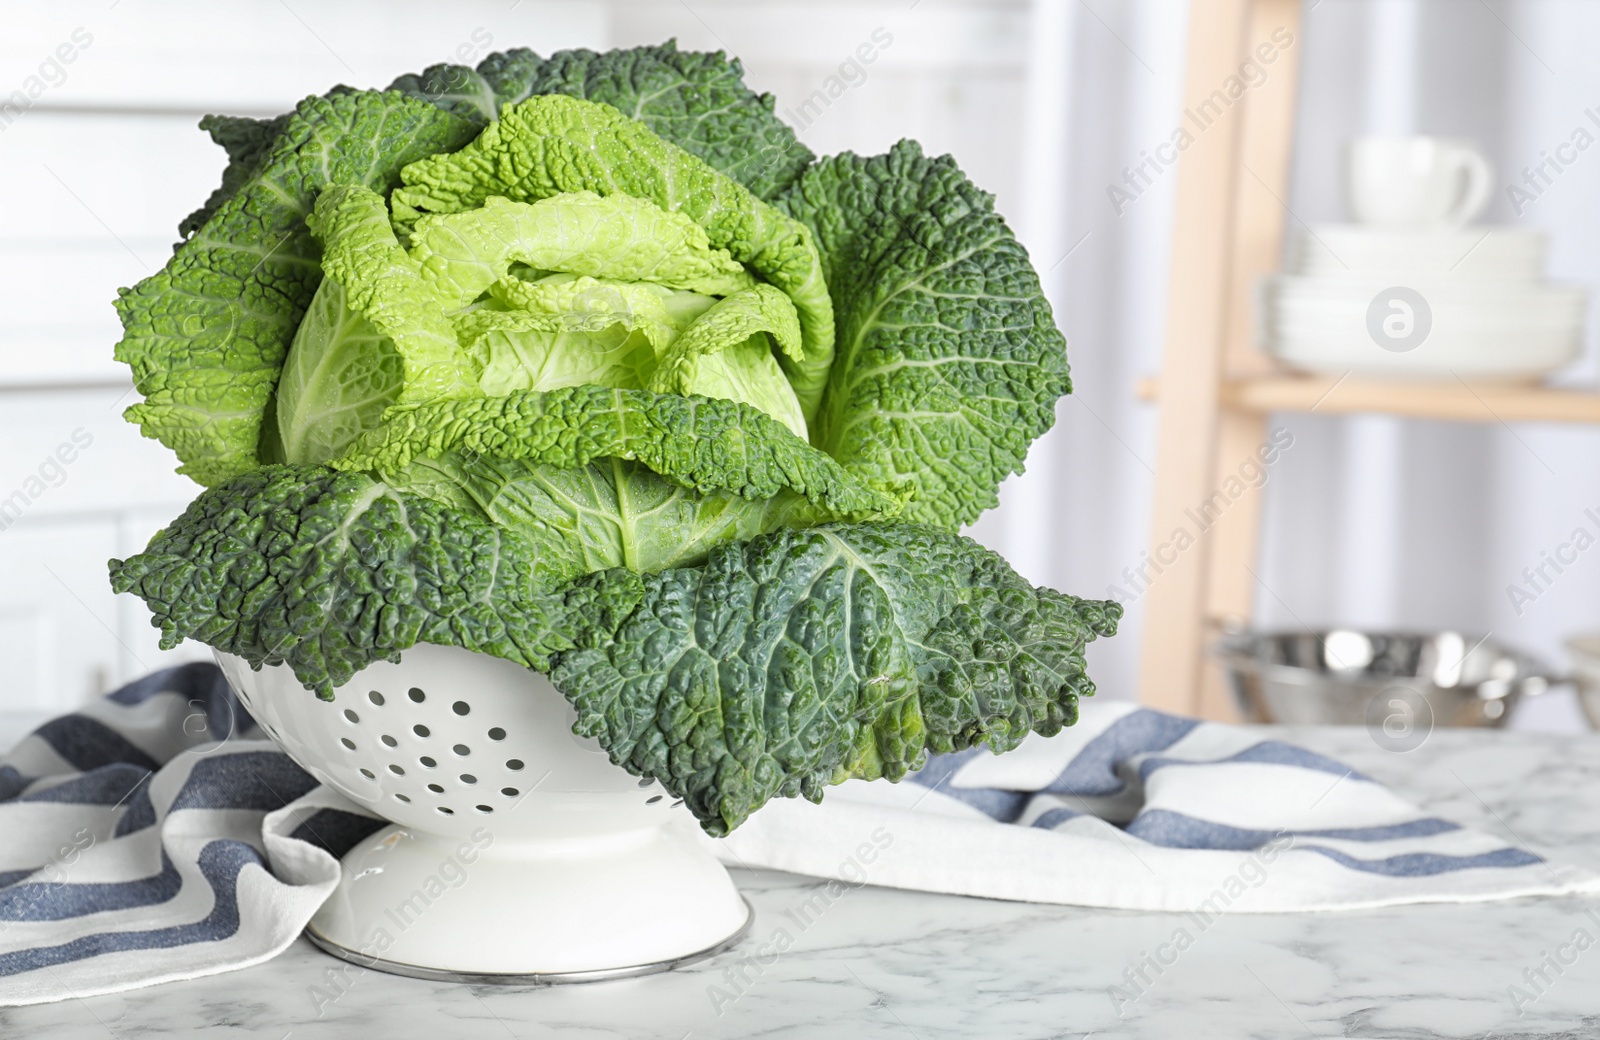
1216 390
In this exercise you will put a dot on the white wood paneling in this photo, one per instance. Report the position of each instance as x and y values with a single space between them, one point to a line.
78 486
58 618
950 77
264 55
106 467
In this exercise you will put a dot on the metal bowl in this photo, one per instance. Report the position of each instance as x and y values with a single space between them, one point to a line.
1400 682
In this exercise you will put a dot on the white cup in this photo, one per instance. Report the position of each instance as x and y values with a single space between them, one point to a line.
1413 182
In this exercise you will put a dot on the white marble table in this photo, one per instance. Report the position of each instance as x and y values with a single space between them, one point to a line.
908 966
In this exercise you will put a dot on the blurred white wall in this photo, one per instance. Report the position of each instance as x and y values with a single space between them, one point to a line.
1368 521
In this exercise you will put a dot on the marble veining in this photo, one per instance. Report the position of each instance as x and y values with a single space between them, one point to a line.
882 963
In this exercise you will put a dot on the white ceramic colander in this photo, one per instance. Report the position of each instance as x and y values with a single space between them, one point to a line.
518 848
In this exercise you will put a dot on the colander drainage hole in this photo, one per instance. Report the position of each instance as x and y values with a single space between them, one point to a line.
427 761
446 810
351 716
420 730
396 770
653 799
416 695
460 707
484 808
468 778
510 792
402 797
349 744
376 698
497 734
436 789
462 750
389 741
514 764
369 774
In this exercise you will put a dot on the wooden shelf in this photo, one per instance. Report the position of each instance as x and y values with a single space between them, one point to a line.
1455 400
1217 389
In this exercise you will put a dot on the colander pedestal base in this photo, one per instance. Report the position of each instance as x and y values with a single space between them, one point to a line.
518 849
569 909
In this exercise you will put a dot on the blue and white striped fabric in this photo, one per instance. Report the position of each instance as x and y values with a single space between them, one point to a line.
155 836
1139 810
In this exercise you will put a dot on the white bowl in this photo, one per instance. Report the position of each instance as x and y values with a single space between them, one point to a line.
1479 328
576 871
1506 253
1436 287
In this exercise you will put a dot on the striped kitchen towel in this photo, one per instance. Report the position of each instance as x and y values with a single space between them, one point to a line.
155 836
1139 810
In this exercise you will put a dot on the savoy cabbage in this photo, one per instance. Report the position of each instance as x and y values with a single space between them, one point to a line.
585 362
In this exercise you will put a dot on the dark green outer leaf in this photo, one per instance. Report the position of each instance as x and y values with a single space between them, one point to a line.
803 658
947 362
206 336
247 141
328 572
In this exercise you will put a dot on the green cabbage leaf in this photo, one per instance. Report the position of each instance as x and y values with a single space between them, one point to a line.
695 99
554 144
207 335
949 362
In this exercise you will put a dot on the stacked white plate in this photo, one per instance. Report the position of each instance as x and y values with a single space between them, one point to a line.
1468 302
